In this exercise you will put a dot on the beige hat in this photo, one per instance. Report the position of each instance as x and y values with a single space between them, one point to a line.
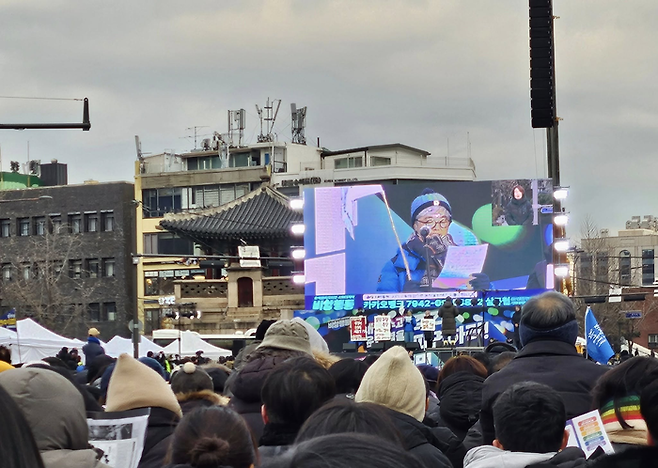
394 381
135 385
286 334
93 332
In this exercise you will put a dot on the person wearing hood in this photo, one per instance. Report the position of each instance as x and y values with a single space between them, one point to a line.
459 389
283 340
448 311
134 385
194 388
519 210
530 420
241 358
55 411
394 383
93 348
548 332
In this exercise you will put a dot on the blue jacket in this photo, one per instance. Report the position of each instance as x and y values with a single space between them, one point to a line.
92 350
409 325
394 275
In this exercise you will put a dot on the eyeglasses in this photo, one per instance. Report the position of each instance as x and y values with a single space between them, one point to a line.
442 222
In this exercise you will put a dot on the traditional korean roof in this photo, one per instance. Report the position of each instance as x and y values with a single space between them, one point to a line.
263 213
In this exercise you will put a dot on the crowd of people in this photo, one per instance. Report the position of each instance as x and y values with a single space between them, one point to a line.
286 402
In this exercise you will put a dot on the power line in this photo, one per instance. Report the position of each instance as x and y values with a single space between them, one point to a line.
42 98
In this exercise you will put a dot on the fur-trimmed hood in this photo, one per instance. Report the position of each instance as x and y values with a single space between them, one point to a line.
203 398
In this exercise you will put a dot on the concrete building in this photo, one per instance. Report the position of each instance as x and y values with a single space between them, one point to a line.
65 256
202 181
622 264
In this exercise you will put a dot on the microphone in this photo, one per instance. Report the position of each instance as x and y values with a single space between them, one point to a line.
424 232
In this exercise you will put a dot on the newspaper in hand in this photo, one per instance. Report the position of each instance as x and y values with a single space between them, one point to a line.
120 435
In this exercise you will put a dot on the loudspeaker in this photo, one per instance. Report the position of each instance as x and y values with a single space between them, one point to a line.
390 344
412 346
349 347
542 64
377 347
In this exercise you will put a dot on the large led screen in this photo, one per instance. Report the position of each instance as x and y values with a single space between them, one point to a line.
423 239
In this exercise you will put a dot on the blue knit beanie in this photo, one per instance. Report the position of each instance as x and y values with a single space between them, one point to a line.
428 198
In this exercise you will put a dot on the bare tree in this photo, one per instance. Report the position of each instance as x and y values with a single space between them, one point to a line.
598 269
48 278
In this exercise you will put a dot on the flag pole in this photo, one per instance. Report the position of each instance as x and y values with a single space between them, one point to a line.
585 328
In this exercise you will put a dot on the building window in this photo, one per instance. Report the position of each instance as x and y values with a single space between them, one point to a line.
167 243
648 269
159 283
93 267
150 244
108 267
94 312
91 222
157 202
75 269
625 268
652 341
26 272
24 227
107 219
56 224
75 223
203 163
346 163
110 311
6 272
5 227
379 161
40 226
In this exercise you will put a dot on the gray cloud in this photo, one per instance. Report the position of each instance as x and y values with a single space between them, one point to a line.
422 73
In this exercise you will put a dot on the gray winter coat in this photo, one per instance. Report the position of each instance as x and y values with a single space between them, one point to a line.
55 411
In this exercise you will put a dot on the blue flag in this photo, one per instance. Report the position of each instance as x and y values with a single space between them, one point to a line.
598 347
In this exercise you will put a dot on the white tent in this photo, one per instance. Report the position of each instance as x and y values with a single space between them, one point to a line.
190 342
34 342
117 346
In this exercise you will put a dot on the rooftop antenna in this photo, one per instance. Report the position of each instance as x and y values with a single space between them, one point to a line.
269 119
138 147
236 122
195 132
298 124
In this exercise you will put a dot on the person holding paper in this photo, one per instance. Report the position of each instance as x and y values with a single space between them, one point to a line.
426 250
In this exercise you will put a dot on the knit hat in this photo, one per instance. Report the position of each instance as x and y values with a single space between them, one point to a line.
394 382
153 364
190 378
286 334
5 366
428 198
93 332
134 385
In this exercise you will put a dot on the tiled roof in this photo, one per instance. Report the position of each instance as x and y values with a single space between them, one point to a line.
260 214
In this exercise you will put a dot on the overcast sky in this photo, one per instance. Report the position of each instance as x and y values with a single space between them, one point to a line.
420 72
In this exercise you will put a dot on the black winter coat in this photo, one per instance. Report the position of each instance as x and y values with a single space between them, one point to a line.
92 350
518 212
419 440
570 457
461 399
246 387
161 425
552 363
447 312
640 457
